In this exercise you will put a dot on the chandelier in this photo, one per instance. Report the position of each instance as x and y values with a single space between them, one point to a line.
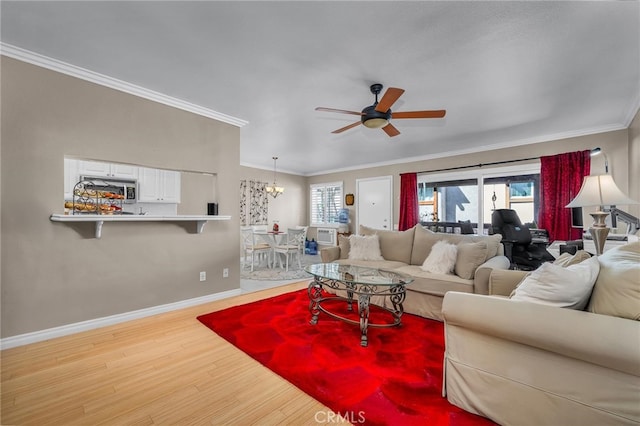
274 190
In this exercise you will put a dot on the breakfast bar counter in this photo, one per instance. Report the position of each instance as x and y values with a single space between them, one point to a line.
99 219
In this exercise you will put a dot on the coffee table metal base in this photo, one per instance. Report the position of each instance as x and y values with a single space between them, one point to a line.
363 292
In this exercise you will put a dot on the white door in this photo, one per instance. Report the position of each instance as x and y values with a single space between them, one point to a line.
374 206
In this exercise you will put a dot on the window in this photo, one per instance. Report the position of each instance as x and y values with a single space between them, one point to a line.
326 202
473 195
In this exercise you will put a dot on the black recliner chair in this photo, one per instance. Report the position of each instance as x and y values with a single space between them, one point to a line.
516 238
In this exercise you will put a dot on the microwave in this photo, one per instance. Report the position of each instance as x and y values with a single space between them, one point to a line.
125 187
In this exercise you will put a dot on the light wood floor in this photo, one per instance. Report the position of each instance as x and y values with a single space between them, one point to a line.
164 369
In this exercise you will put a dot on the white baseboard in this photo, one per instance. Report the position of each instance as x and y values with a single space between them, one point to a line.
65 330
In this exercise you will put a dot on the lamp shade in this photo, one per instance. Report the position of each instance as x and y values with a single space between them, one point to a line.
599 190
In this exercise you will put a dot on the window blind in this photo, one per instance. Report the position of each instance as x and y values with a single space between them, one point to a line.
326 202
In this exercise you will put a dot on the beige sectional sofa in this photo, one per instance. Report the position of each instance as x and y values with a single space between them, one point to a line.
527 363
405 252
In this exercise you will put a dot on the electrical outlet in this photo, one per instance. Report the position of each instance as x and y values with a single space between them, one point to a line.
203 276
225 273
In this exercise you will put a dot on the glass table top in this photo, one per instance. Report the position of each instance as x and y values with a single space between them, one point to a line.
357 274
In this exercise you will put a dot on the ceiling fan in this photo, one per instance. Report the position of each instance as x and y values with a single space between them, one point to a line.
379 114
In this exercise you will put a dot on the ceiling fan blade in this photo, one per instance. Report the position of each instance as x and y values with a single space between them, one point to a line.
390 130
341 111
420 114
390 97
350 126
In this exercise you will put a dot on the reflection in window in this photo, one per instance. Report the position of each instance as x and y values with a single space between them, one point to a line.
450 201
519 193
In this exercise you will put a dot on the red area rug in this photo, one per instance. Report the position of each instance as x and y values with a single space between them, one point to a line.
396 380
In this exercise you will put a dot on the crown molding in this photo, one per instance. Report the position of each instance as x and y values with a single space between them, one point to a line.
113 83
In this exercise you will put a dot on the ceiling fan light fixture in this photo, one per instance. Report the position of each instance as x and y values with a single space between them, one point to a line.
375 123
375 119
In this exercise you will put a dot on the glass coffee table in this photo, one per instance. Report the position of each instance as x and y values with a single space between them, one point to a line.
360 283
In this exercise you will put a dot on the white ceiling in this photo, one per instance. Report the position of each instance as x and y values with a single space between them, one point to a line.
508 73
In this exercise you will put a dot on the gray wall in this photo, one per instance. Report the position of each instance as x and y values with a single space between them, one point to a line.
54 273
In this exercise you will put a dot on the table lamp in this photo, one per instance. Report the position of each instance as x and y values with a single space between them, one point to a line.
600 191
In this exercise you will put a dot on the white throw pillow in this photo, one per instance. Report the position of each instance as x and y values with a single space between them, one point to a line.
441 259
364 247
555 285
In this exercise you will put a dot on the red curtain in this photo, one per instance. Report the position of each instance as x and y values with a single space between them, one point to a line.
409 210
560 180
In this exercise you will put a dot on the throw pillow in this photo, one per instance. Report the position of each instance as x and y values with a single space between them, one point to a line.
470 256
364 247
555 285
441 259
568 259
617 289
345 247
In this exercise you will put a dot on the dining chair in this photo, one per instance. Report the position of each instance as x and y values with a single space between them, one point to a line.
304 237
294 245
251 246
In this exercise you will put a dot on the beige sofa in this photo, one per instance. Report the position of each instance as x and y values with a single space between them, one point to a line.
405 252
525 363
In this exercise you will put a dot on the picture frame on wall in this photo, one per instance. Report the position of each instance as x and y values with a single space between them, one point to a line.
349 199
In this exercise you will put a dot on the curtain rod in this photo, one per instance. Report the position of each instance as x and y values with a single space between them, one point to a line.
594 151
494 163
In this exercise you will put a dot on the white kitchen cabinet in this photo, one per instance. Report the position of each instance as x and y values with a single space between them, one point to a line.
169 186
158 186
98 168
93 168
124 171
71 177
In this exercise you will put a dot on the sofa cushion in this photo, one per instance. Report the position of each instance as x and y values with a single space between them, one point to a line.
394 245
345 247
470 256
441 259
617 289
434 284
555 285
364 247
424 239
568 259
493 243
